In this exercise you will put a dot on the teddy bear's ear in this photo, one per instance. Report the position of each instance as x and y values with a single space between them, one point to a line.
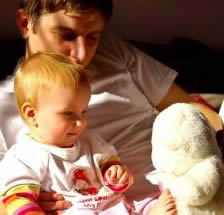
182 126
175 124
181 136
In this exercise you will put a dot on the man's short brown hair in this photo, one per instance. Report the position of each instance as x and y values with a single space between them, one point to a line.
34 8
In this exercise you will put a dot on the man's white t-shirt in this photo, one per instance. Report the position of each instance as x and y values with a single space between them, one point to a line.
126 87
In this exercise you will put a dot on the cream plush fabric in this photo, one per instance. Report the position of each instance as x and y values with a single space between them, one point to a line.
186 155
221 111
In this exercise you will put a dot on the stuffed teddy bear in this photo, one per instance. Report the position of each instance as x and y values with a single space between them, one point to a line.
188 161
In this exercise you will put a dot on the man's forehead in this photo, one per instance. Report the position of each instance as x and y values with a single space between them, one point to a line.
81 19
84 15
90 13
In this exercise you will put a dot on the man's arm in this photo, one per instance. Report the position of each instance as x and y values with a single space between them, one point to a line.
177 94
53 203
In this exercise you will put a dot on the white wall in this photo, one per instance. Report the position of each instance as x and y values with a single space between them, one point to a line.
157 21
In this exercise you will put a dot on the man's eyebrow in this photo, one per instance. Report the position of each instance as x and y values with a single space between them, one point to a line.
67 29
62 28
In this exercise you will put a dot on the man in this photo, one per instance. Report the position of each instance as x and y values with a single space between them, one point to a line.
129 87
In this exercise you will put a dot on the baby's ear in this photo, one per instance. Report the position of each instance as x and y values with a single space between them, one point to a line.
29 114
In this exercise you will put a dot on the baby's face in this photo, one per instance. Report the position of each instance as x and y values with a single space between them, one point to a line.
61 115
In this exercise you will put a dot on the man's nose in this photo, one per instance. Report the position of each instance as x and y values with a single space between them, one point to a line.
78 50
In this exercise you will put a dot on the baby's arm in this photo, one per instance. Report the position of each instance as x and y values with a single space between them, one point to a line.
111 170
22 199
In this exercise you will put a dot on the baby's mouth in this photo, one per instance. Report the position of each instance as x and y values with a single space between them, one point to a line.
72 134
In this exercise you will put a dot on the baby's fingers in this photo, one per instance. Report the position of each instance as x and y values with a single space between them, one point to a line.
119 172
111 173
124 178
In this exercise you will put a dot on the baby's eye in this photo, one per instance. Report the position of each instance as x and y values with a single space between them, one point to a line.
68 114
84 113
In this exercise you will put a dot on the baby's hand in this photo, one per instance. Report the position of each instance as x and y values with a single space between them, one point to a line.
118 178
117 175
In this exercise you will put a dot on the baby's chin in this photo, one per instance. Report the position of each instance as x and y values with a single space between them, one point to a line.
66 144
70 146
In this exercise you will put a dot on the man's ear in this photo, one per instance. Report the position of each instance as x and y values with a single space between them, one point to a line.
29 114
24 23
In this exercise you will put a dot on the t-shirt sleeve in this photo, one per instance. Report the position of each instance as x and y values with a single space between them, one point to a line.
152 77
102 152
99 151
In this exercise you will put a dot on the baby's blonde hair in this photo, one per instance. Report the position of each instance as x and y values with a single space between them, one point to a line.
41 72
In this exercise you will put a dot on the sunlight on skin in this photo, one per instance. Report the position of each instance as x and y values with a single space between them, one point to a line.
2 209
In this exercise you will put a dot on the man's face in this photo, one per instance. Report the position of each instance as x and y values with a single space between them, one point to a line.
73 34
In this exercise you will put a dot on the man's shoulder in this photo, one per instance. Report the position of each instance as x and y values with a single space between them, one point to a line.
6 85
6 94
115 50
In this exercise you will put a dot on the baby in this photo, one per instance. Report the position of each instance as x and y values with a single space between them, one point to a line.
57 154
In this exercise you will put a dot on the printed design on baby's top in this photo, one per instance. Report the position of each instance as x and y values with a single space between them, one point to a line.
82 183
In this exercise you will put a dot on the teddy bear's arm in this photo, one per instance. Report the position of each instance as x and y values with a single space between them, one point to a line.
200 184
